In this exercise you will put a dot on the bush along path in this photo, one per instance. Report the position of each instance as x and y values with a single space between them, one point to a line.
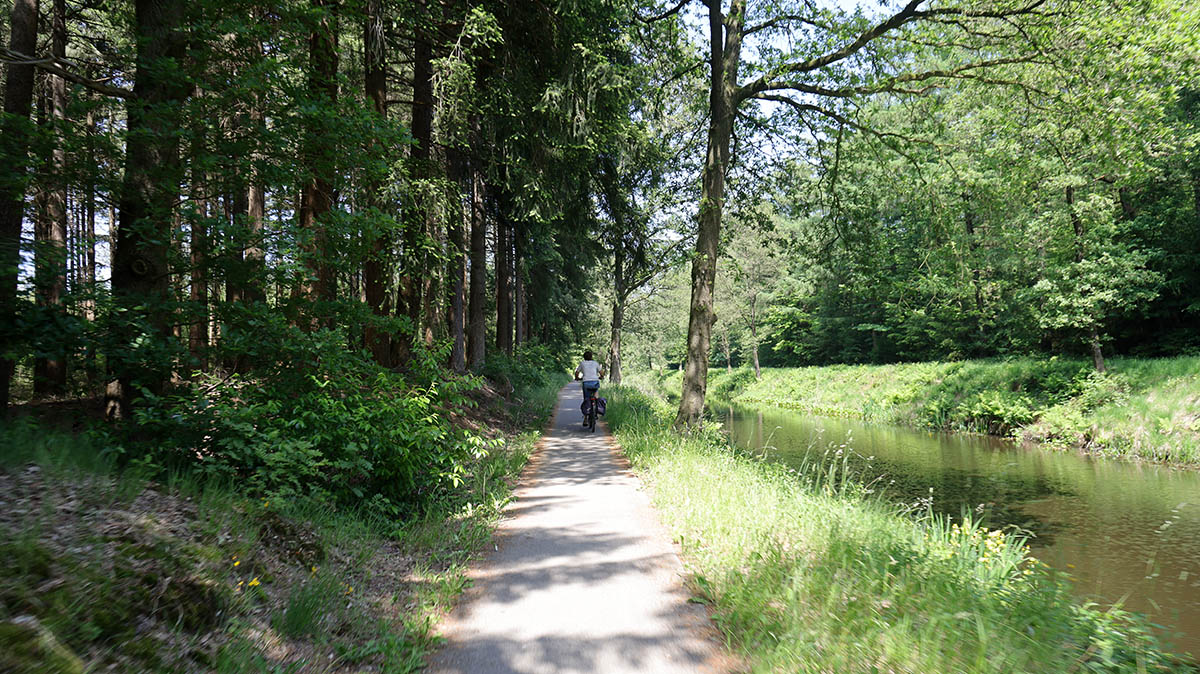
582 576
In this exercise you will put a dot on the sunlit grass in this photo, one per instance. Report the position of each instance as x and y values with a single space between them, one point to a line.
1142 408
807 572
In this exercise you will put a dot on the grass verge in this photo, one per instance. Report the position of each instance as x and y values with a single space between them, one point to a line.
806 572
1145 409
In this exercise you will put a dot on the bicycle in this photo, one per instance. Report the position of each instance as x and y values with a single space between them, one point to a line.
589 415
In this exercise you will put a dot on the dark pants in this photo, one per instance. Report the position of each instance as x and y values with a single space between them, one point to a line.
590 388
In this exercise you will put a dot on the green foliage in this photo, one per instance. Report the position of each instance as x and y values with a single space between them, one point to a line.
322 423
802 577
530 366
1143 408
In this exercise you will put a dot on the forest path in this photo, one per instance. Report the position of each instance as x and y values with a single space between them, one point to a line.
584 578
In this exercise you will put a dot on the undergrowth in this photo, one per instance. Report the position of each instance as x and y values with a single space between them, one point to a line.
253 528
806 571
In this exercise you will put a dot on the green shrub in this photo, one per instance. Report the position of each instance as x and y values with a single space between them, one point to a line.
530 367
315 421
998 412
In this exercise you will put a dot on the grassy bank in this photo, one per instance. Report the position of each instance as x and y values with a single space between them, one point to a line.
142 569
1142 408
807 572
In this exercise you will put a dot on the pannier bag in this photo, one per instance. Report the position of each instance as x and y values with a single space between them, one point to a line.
601 403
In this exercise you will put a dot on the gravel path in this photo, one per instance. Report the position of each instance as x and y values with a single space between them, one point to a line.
584 578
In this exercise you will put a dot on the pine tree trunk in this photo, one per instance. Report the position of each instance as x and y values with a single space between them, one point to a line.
89 231
56 204
614 347
316 197
414 284
477 320
50 252
256 203
504 314
725 51
140 274
520 311
375 269
198 291
458 268
15 138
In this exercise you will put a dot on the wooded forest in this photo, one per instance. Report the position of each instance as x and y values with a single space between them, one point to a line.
289 291
201 197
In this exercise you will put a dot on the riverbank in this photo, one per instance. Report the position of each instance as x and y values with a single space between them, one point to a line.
1146 409
110 567
806 571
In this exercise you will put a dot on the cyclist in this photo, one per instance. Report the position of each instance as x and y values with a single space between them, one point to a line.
591 373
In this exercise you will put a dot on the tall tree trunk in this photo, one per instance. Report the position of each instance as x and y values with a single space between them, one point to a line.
198 292
89 223
235 283
50 373
256 201
725 42
614 344
316 197
618 305
140 274
520 309
415 283
15 139
504 313
477 320
375 269
56 203
458 267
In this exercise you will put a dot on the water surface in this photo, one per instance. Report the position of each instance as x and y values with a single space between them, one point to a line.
1125 532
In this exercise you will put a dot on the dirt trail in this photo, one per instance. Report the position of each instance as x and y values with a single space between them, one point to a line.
584 578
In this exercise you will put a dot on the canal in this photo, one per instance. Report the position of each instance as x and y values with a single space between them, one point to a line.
1126 533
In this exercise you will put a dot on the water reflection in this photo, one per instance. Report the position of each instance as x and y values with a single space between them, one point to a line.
1127 533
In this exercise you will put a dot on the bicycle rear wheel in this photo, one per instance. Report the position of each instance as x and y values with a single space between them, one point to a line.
592 416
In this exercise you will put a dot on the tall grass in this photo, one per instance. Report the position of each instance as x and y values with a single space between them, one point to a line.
1141 408
807 573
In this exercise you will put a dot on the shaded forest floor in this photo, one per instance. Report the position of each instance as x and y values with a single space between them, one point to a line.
100 568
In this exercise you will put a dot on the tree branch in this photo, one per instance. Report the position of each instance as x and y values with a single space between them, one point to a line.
59 67
785 18
670 12
892 85
906 15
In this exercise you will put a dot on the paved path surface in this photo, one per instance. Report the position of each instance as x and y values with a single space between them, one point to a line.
584 577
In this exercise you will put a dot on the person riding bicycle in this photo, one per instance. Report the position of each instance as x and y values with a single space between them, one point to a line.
591 373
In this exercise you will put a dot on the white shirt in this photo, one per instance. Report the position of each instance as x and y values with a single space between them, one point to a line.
590 370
